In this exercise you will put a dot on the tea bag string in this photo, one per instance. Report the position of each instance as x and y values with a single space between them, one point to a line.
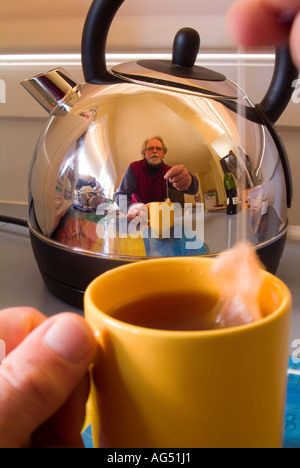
242 132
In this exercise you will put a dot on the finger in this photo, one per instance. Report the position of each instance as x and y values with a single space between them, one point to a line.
133 215
64 428
142 211
253 23
283 5
295 40
16 323
40 374
179 178
182 182
174 171
180 175
181 186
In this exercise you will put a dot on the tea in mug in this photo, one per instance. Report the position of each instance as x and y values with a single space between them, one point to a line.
173 310
239 276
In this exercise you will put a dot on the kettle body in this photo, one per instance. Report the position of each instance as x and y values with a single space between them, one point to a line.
92 145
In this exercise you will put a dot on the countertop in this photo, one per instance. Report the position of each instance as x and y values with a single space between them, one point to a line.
21 283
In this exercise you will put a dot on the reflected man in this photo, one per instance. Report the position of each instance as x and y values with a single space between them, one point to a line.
146 180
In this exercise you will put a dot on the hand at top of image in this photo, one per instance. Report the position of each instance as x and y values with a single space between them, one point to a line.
259 23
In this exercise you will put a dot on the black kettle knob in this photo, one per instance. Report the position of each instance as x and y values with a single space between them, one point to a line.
185 48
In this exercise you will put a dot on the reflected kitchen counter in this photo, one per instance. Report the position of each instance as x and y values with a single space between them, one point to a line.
22 285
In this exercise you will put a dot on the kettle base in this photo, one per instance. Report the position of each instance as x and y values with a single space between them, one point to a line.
67 274
71 296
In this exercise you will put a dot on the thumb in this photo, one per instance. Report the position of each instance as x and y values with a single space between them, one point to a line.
40 374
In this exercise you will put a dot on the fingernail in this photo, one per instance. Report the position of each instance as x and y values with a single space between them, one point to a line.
69 338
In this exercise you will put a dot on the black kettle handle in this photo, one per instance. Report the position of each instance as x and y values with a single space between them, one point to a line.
281 88
94 38
274 104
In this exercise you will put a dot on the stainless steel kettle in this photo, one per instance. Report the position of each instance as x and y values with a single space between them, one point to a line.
94 134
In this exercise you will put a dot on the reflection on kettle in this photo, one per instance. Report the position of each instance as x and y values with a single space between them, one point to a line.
93 136
241 168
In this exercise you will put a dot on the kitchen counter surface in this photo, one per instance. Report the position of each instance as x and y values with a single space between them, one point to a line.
21 283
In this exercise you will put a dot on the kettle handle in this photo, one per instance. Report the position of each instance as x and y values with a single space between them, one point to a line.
274 104
93 49
281 88
94 38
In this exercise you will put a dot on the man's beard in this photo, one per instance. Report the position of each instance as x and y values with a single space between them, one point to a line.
155 160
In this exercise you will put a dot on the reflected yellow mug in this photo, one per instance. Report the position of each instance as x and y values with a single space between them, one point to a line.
161 218
182 389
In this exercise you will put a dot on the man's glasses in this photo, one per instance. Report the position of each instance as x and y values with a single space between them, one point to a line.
152 148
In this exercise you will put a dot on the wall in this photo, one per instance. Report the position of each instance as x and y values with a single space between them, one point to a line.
140 25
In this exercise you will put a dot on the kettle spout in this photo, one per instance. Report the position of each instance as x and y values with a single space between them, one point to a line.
56 91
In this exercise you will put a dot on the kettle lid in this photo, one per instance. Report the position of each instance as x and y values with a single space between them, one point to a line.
181 74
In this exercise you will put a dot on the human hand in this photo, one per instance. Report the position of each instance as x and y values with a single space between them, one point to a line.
179 177
44 383
266 22
139 212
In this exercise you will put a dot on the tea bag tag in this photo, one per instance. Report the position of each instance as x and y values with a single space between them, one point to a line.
240 276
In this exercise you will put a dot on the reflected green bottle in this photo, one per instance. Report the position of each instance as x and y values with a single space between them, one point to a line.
232 195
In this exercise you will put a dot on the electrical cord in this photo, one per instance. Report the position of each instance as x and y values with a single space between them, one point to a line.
12 220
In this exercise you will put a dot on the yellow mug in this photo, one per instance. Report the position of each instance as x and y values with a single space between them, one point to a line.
161 218
182 389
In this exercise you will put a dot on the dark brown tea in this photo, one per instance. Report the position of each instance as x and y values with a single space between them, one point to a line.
186 311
